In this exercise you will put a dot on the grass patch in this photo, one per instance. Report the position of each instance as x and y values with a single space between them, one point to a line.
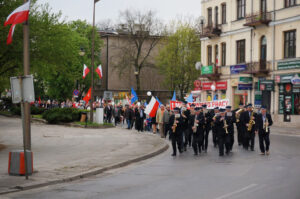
92 124
8 113
37 116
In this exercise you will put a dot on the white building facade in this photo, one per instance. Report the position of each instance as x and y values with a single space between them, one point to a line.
251 53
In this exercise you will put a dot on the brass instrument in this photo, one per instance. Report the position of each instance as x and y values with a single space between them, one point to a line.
266 125
175 124
225 125
251 122
238 114
214 119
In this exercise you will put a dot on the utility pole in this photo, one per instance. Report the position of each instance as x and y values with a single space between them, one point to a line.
26 65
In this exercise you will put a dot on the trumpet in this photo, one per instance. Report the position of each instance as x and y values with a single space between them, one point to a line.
225 125
195 125
238 114
266 125
175 124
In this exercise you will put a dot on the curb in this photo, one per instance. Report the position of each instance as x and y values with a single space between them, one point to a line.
89 173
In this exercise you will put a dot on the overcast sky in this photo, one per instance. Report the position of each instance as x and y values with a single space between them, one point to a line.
109 9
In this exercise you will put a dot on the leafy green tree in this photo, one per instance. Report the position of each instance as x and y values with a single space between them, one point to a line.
177 59
55 44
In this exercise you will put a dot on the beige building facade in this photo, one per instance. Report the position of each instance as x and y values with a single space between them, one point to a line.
253 46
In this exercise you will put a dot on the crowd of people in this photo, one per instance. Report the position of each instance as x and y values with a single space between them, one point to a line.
189 126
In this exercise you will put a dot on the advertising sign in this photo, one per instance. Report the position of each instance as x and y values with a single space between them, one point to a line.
206 70
245 87
246 80
266 85
210 105
238 69
221 85
288 65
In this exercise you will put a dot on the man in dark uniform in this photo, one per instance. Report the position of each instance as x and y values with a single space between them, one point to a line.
247 120
195 122
263 122
214 129
230 118
185 113
208 120
222 132
238 113
176 121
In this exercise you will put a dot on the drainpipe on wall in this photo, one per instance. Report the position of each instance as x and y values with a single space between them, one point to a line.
273 57
251 50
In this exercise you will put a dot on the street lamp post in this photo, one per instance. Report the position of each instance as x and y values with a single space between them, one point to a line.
93 60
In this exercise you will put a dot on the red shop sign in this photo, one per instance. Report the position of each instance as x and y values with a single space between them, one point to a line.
221 85
206 86
197 85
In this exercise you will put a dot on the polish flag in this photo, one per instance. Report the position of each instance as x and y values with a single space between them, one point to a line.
88 96
18 16
99 71
152 107
86 70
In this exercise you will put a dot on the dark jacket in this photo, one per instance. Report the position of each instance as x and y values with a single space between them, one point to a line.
259 123
179 123
219 125
129 114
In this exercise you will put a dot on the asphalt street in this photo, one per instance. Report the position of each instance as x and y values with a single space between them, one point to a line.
242 174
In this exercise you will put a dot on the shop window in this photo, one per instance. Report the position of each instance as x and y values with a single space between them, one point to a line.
290 44
208 96
289 3
223 94
297 103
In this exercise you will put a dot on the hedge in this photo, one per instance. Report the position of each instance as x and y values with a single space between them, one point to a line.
16 110
61 115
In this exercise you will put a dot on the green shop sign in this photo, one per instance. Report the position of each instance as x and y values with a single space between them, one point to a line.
246 80
288 65
206 70
266 85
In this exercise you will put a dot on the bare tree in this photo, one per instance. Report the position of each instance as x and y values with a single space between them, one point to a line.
144 32
106 24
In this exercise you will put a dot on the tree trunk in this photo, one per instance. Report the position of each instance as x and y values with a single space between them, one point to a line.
138 86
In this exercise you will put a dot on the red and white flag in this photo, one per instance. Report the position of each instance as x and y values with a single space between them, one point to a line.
152 107
18 16
86 70
87 97
99 71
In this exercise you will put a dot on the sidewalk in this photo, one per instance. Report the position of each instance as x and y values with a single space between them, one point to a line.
64 153
284 130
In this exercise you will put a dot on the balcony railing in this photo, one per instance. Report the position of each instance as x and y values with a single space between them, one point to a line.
259 69
211 31
261 18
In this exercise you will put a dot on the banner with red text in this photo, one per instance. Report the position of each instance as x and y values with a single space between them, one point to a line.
210 105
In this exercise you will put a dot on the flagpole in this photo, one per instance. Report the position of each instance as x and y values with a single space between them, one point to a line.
26 64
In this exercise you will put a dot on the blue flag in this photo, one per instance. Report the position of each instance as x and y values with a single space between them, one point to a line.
174 96
134 96
145 104
190 98
158 101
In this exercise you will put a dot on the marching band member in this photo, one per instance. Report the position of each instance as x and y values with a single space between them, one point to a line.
208 121
230 117
198 130
176 121
238 113
247 120
263 122
222 132
214 129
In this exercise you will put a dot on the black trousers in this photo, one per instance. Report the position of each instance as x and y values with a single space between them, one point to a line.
239 133
224 142
231 138
167 129
187 137
215 136
176 142
264 141
249 138
140 124
205 140
197 142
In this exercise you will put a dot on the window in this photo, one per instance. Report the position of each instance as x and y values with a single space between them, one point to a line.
223 94
241 8
240 51
209 16
209 55
263 6
289 3
216 54
290 44
223 13
216 16
223 53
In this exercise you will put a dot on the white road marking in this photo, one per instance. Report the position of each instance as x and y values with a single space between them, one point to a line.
237 191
